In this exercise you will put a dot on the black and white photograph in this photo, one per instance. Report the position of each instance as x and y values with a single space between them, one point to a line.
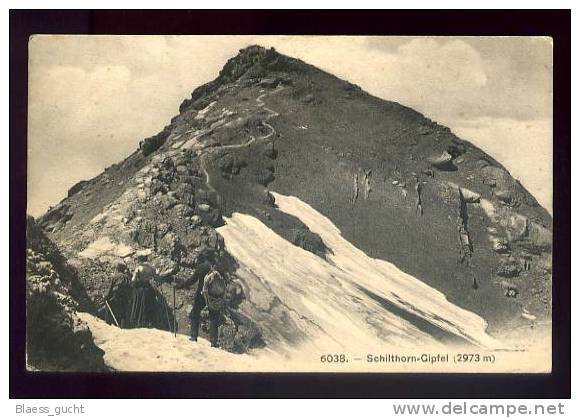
289 204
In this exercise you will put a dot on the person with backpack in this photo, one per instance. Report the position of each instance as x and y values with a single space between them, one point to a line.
210 292
147 305
141 305
115 303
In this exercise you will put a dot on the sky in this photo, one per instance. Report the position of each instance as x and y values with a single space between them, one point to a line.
93 98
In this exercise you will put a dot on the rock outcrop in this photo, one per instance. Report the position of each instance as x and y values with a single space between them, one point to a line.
57 339
443 161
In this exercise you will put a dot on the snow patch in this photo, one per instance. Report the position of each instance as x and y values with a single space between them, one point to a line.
351 301
104 246
153 350
488 208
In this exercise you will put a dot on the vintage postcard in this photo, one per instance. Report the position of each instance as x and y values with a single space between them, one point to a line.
289 204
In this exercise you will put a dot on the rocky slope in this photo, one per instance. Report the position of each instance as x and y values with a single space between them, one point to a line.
397 185
57 339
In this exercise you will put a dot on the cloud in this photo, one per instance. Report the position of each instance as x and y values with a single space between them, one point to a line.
455 63
92 99
517 73
430 76
69 118
90 117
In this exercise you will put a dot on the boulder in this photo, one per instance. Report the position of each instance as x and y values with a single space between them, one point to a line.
76 188
481 163
268 199
157 187
212 217
443 162
428 172
164 266
144 253
182 159
203 243
516 226
500 245
496 177
510 290
507 197
182 169
169 245
309 241
508 268
182 211
208 237
185 193
237 333
470 196
268 83
203 208
265 177
162 229
203 196
189 259
167 201
56 217
490 182
424 130
195 220
151 144
143 233
539 238
455 149
124 251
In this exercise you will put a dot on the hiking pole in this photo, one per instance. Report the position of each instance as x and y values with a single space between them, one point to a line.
174 318
110 310
160 290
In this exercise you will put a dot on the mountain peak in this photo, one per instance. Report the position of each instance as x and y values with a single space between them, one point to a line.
272 129
254 50
251 62
254 57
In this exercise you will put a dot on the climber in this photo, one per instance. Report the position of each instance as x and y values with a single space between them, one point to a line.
147 307
210 292
140 308
118 296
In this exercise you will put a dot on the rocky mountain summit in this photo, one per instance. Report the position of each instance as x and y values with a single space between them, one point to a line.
397 185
